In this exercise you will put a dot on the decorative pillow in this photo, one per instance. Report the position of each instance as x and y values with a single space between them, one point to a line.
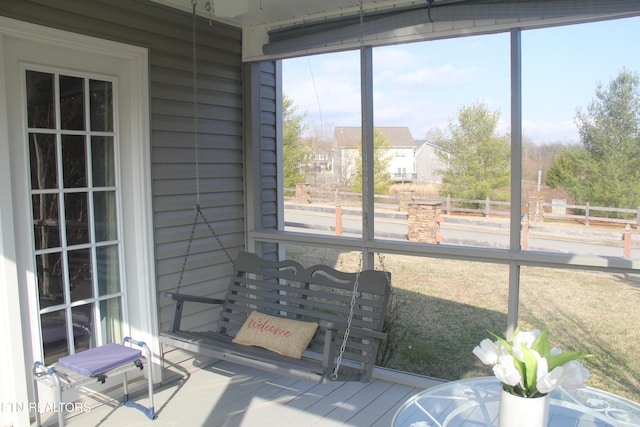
283 336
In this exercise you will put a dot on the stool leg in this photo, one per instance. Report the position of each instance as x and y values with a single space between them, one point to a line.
152 413
125 388
36 398
55 376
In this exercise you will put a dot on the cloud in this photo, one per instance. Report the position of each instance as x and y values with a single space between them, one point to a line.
402 66
541 131
443 75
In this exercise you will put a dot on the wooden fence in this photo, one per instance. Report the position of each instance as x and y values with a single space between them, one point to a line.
557 210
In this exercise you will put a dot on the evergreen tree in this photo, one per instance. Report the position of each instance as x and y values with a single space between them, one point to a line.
607 171
478 158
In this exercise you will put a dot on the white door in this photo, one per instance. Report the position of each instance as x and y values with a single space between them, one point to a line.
77 138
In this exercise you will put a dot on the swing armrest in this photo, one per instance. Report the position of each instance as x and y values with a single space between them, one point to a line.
192 298
354 331
331 329
180 299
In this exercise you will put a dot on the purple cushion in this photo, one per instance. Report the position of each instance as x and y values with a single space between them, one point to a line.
100 359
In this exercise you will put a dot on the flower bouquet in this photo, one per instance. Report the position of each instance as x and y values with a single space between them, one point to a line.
528 366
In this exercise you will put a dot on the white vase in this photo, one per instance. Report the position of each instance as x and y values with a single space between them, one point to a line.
516 411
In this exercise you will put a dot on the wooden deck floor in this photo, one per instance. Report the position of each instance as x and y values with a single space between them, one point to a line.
225 394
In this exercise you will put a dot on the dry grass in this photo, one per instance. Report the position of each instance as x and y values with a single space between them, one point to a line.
448 306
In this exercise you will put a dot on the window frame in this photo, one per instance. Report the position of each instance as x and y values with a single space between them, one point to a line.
514 257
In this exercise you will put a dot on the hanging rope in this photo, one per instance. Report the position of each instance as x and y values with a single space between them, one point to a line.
194 56
199 214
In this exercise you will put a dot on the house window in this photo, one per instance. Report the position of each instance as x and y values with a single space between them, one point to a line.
72 148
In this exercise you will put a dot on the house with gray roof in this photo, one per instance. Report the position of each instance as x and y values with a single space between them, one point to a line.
402 167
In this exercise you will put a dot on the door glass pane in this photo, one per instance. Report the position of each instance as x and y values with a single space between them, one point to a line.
101 102
104 203
74 163
111 320
103 161
40 93
73 186
72 103
80 274
44 159
50 282
108 270
46 222
83 335
76 218
54 336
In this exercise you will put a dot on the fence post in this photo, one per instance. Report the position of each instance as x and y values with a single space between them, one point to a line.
627 241
449 204
338 220
486 207
586 215
638 218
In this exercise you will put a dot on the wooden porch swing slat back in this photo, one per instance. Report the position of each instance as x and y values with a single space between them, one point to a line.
288 290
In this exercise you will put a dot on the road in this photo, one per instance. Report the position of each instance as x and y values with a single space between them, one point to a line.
473 232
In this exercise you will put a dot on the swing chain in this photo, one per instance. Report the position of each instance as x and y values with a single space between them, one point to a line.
345 339
184 262
343 347
215 235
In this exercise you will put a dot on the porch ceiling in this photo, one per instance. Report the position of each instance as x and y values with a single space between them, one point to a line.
286 28
274 13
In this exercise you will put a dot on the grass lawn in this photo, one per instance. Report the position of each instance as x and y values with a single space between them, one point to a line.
447 306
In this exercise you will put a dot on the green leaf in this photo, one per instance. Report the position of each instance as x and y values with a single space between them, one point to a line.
531 370
542 345
562 358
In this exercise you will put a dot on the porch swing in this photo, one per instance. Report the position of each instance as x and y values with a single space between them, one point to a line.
316 323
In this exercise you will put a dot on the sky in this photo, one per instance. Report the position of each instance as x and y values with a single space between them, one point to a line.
424 85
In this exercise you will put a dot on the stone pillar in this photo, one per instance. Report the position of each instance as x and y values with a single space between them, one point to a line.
405 197
424 222
302 193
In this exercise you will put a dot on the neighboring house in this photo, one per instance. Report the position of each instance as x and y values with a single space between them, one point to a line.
402 166
428 163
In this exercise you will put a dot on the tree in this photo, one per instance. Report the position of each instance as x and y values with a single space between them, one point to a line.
478 158
381 161
297 151
607 171
570 169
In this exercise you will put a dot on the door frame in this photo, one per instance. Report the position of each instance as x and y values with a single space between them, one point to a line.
18 43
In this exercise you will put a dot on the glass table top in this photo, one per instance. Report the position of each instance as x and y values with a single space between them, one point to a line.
475 402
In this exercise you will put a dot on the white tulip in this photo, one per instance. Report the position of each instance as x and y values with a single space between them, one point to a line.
506 371
488 351
573 375
547 381
569 376
524 338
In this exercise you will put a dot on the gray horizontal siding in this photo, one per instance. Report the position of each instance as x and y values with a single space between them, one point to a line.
269 124
167 33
